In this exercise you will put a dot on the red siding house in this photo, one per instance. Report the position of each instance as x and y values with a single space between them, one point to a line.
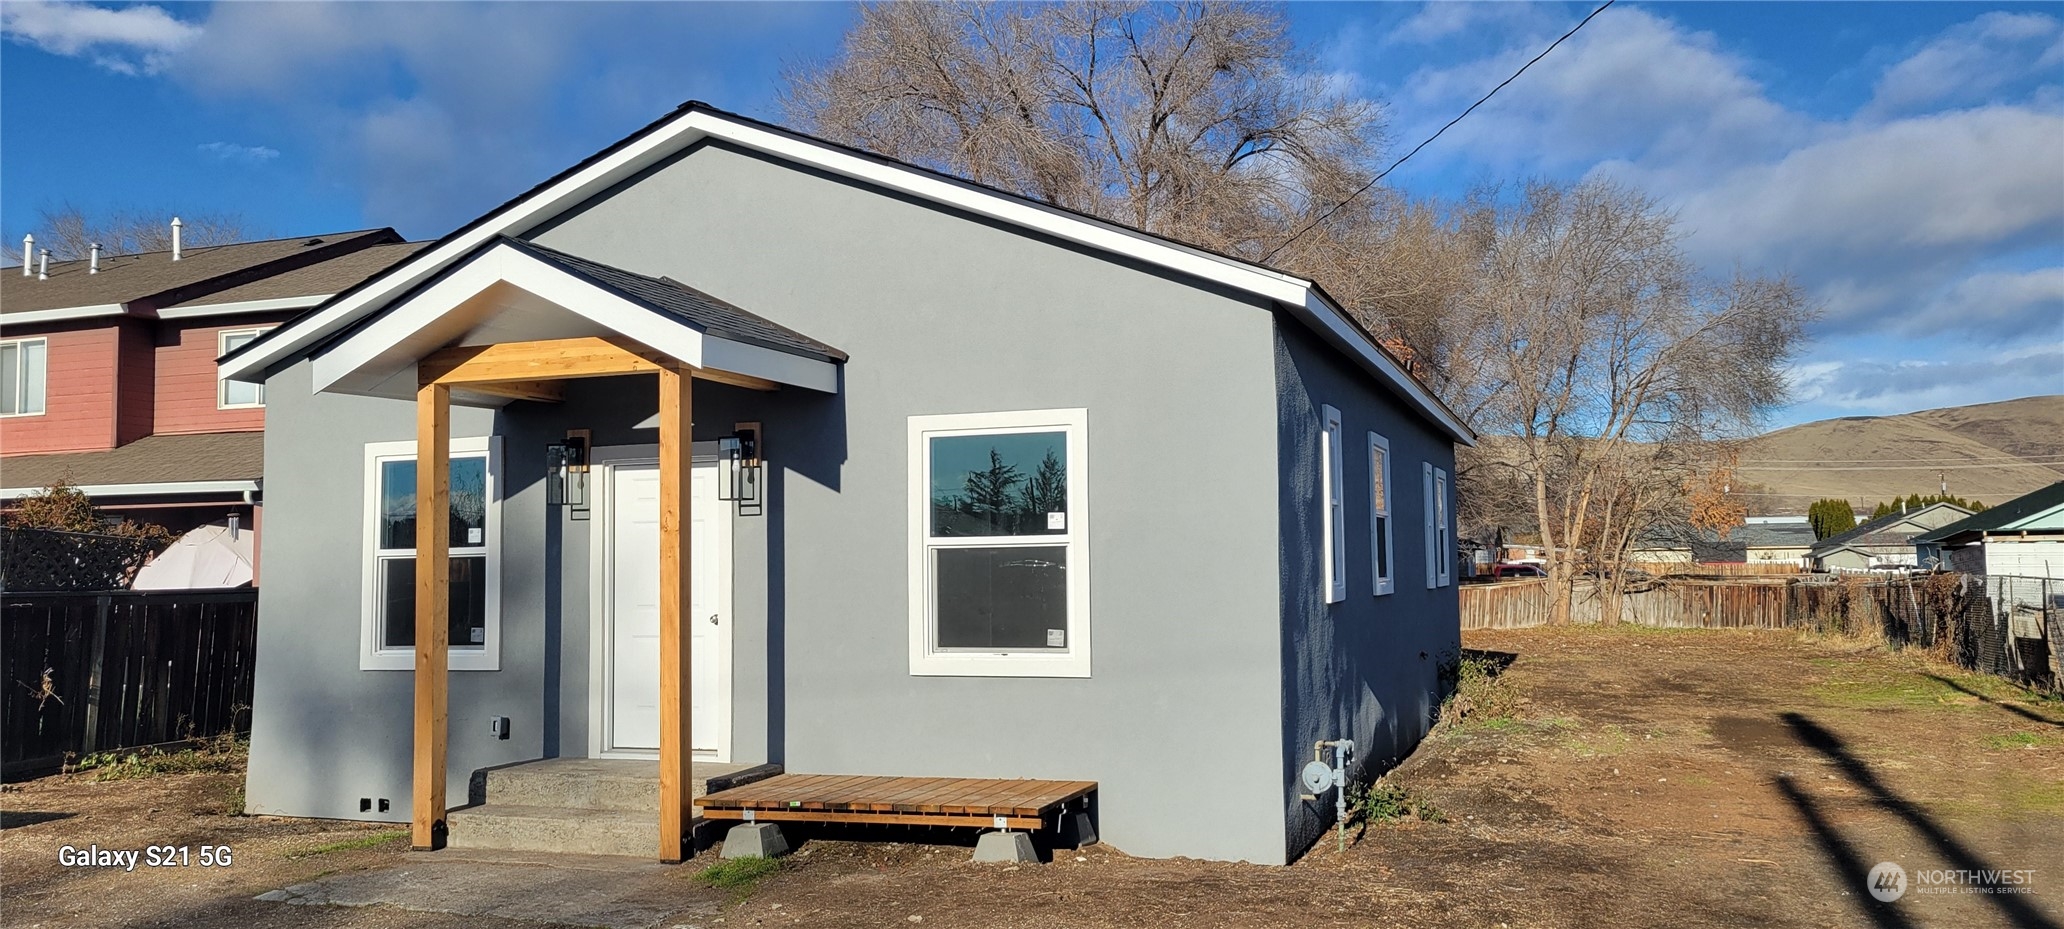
107 369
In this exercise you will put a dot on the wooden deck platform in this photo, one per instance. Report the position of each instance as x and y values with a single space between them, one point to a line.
899 801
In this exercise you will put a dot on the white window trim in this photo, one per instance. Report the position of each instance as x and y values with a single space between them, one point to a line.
371 656
1381 514
1074 662
1426 524
1332 491
222 384
1439 555
45 342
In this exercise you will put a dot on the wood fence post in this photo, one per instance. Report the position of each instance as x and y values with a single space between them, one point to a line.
94 674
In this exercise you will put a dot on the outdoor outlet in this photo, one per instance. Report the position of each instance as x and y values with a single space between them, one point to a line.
500 727
383 804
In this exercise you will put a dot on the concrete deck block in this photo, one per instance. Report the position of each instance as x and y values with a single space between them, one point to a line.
1077 831
755 840
1013 847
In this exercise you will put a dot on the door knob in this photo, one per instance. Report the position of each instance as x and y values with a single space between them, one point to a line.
712 619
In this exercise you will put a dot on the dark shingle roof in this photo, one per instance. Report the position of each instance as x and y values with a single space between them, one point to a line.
199 271
157 459
1879 531
319 279
673 298
2013 510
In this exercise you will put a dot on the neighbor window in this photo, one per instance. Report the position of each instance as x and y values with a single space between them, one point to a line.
389 610
1333 537
1440 549
1379 514
231 395
999 539
22 371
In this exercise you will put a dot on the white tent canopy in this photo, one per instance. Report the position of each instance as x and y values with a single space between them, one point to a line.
209 556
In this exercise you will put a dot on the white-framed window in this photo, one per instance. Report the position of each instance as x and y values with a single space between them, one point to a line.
1380 569
999 544
237 395
24 370
1333 484
1440 549
388 606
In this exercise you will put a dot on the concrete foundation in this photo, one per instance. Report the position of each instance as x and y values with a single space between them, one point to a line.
755 840
1014 847
1076 831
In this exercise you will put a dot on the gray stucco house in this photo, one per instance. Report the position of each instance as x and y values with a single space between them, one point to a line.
1036 495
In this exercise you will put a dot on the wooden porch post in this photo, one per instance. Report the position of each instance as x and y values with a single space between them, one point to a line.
676 803
433 580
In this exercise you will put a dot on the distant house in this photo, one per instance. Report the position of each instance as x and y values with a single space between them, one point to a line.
1885 541
107 369
1762 541
2023 537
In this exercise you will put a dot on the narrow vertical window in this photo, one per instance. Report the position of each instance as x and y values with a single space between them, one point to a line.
1379 515
1444 545
1335 519
389 614
232 395
22 366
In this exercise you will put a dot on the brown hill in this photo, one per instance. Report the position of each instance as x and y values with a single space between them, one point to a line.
1991 452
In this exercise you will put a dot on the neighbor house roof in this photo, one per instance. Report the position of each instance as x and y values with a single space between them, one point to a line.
2018 513
318 280
694 122
1884 530
223 462
141 283
1708 546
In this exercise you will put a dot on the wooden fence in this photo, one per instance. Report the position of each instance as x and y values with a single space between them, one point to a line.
1722 569
1505 604
87 672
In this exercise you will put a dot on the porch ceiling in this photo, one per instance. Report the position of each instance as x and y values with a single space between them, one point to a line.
512 318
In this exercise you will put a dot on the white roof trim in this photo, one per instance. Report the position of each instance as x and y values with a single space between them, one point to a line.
168 488
61 313
243 306
373 356
694 125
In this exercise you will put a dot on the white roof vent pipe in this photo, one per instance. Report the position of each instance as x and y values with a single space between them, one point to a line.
43 265
175 237
93 259
28 251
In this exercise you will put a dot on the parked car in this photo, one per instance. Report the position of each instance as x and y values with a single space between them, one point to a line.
1503 571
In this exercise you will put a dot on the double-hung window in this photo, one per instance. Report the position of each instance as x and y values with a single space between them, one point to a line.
999 544
1333 485
235 395
1440 549
1379 515
23 365
389 607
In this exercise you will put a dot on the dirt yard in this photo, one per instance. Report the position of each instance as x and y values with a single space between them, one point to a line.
1686 778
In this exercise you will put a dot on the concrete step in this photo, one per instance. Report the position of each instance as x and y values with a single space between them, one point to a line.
557 829
578 783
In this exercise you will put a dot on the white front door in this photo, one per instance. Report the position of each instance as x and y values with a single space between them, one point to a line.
631 604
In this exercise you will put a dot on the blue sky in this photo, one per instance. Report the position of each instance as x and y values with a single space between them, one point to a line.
1905 161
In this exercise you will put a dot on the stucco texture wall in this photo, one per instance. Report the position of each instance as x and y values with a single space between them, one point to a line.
944 313
1365 668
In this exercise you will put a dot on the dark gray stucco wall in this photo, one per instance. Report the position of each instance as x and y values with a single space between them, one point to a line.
1365 668
942 313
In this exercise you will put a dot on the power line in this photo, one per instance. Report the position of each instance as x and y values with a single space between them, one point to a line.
1965 467
1429 139
1954 460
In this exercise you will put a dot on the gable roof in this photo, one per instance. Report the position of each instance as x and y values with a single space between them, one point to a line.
695 121
666 295
139 283
2005 516
1883 529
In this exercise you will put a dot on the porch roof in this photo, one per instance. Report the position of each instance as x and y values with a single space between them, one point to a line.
509 290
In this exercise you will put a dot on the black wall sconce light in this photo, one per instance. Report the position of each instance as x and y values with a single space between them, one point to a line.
740 457
566 472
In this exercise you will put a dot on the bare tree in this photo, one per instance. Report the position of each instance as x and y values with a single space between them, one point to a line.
68 232
1198 121
1616 373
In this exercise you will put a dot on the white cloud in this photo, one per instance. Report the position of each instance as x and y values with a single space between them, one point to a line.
1875 385
1971 60
129 40
230 151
